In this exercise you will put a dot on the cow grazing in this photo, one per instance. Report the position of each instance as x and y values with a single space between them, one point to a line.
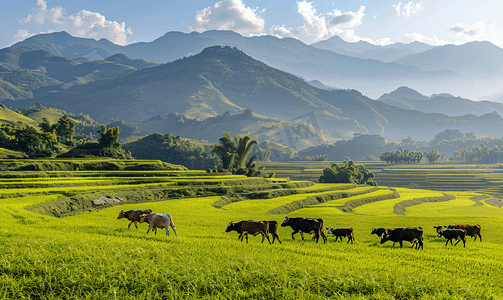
304 225
409 234
161 221
471 230
449 234
342 232
250 227
133 215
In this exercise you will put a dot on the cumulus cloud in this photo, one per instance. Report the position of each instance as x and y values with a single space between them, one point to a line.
229 15
478 32
82 24
317 26
408 9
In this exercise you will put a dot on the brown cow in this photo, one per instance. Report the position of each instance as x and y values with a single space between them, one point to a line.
342 232
449 234
161 221
471 230
133 215
250 227
273 230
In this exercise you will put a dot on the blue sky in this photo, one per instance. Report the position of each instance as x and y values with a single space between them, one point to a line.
435 22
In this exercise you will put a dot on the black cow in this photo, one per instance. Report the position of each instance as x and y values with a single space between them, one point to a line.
449 234
409 234
342 232
273 230
305 225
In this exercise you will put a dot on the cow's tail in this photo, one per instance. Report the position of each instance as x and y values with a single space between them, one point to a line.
172 225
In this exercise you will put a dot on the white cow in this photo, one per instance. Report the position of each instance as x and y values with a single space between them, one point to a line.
161 221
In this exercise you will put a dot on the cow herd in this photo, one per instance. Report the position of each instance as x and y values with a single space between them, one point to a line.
414 235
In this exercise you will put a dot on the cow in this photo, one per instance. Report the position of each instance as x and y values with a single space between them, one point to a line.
342 232
410 234
471 230
250 227
273 230
380 231
161 221
438 228
449 234
133 215
305 225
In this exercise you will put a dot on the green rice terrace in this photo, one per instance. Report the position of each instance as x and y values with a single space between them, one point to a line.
62 238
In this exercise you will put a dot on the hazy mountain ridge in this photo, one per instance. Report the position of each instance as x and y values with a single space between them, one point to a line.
286 54
471 59
440 103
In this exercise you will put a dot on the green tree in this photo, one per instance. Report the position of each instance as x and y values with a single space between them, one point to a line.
109 137
45 125
65 128
347 173
432 156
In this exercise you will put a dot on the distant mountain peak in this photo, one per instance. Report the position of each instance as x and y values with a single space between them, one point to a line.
404 92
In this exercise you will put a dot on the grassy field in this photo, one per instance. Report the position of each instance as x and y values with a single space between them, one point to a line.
93 255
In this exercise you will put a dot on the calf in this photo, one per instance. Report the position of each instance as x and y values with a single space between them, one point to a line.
438 228
342 232
304 225
250 227
161 221
409 234
133 215
471 230
449 234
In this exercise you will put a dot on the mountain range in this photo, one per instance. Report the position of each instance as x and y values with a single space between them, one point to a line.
372 77
224 79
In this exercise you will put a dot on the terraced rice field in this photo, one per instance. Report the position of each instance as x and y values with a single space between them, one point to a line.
90 254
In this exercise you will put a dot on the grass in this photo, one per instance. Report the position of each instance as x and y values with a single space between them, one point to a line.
93 255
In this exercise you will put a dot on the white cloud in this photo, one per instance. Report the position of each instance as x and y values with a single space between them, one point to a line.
82 24
434 40
318 27
229 15
347 19
465 29
21 35
408 9
478 32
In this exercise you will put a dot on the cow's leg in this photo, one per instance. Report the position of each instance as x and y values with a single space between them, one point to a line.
149 228
130 225
293 238
401 244
324 237
446 242
301 235
265 235
277 237
459 240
